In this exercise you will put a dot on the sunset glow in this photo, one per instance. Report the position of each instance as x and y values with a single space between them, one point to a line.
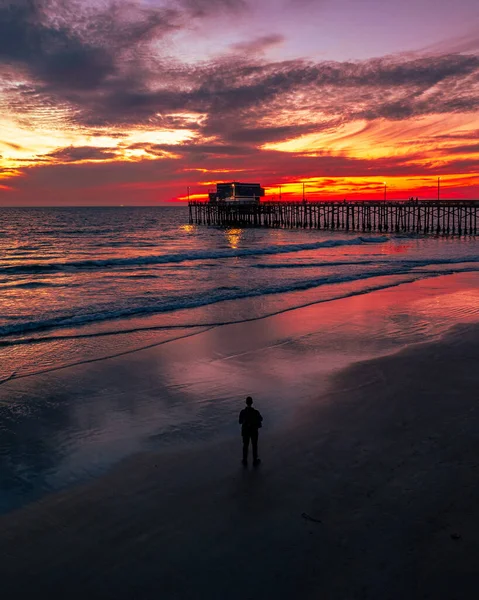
129 102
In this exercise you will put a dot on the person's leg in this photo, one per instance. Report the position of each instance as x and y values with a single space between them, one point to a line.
245 446
254 443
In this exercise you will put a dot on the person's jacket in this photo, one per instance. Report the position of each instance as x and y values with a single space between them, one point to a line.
250 419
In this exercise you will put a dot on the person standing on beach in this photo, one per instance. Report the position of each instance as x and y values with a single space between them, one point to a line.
250 420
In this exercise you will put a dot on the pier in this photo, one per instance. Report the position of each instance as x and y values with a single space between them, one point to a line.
436 217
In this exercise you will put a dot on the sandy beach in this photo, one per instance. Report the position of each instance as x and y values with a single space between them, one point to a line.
371 492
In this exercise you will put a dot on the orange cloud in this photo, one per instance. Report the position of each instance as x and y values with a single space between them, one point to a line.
362 188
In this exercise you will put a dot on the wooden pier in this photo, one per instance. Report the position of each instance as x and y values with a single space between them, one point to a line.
444 217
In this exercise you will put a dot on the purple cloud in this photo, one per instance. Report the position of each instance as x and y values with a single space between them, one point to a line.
81 153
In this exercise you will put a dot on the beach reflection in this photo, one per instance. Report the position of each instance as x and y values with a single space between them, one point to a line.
69 425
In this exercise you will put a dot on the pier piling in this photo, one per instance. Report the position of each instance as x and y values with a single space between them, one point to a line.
436 217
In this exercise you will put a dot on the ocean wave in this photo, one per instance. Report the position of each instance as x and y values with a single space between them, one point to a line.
74 265
202 326
145 307
321 264
83 231
345 263
33 285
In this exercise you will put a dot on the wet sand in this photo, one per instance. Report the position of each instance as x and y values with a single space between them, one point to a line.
371 493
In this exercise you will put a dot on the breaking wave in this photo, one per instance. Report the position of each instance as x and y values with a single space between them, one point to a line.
144 306
92 264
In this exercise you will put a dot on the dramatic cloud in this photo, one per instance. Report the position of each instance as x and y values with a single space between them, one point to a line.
81 153
78 53
465 149
378 88
10 145
259 45
102 69
203 8
125 82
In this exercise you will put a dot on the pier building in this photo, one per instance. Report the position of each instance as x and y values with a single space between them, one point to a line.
237 192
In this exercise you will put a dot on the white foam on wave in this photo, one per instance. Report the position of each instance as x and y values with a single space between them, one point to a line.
145 307
341 263
49 267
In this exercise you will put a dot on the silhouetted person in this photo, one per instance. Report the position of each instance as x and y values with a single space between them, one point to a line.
250 420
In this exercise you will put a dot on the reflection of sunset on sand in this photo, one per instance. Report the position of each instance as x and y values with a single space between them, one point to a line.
356 473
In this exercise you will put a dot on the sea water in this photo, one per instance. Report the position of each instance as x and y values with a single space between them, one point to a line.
70 273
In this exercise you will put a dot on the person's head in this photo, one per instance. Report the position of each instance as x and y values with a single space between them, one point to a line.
249 401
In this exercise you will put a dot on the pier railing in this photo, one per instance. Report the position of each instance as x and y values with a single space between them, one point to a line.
444 217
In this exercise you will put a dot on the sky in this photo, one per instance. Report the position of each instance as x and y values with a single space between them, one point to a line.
129 102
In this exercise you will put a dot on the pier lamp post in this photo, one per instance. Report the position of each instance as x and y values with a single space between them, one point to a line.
438 188
188 189
384 190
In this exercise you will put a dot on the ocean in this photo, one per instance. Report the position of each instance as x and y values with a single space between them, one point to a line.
69 274
83 287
